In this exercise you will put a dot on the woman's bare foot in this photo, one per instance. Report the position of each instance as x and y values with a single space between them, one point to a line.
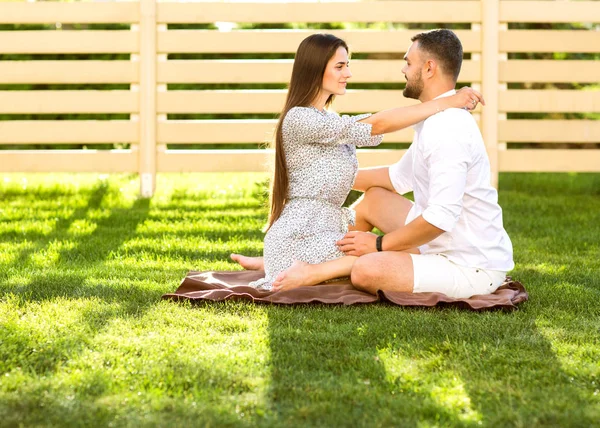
248 263
297 275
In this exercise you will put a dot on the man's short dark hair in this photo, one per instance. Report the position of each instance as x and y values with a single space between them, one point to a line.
445 47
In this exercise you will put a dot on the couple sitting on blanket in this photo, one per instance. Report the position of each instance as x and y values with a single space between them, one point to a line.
450 240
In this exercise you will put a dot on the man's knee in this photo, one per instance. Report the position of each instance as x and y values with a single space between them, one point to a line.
370 203
371 197
360 276
374 195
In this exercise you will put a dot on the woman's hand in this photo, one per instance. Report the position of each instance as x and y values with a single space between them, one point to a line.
356 243
466 98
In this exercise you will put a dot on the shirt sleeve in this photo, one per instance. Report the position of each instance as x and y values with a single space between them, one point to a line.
401 173
311 127
448 167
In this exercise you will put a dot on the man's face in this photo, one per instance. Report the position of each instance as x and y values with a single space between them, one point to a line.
412 72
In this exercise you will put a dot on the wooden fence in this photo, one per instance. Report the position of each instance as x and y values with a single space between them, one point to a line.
150 98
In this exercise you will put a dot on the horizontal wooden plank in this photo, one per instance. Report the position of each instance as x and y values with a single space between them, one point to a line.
68 72
549 101
270 101
249 160
103 161
214 131
68 42
68 131
388 11
213 160
221 101
549 41
544 160
80 12
546 71
287 41
549 131
279 71
549 11
233 131
46 102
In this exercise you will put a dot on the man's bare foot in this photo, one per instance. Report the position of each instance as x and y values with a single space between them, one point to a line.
248 263
297 275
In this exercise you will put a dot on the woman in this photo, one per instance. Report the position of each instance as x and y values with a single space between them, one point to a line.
315 159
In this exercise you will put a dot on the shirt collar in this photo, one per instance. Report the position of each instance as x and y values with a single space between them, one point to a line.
446 94
418 126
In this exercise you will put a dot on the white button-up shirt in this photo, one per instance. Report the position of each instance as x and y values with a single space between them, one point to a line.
448 170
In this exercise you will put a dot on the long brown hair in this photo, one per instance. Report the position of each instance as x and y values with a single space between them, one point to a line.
310 62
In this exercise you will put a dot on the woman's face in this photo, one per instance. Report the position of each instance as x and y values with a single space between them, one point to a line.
336 73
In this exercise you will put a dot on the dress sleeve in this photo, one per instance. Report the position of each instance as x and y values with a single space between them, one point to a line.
311 127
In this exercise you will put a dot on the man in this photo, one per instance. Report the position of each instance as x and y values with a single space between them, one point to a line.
451 240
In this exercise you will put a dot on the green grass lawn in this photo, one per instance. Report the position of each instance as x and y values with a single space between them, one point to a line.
86 341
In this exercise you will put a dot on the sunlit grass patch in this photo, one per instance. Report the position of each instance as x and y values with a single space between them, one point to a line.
85 338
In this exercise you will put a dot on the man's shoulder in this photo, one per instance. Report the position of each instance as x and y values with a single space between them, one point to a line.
449 117
452 121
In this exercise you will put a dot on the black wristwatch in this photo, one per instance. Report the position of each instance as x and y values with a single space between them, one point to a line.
379 242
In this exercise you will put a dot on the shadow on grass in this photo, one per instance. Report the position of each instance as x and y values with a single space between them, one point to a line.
384 366
64 281
213 205
42 353
109 235
62 226
69 272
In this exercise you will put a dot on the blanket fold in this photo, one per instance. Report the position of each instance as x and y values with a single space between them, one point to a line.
233 285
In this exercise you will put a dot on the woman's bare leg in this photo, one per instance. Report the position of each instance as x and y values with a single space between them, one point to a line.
248 263
302 274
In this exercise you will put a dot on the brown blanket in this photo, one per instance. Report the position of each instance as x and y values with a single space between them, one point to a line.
217 286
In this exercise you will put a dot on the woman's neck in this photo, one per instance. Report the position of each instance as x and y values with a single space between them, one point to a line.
319 101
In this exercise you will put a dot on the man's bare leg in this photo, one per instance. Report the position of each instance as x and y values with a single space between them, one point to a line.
378 207
248 263
387 270
383 209
302 274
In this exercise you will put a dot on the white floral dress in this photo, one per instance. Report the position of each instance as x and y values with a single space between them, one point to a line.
320 149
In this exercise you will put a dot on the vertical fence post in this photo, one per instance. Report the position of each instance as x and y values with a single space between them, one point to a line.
161 88
476 57
490 10
502 86
147 151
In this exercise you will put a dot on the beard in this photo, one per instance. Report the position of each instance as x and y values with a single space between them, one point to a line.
414 87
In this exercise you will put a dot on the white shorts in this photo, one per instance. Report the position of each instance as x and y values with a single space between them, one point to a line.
436 273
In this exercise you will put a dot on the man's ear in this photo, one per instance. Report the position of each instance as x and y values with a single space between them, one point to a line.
430 68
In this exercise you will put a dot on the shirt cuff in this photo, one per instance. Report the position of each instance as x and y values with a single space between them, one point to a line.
440 218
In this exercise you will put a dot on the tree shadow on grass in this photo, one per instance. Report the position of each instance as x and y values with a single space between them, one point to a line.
383 366
72 279
70 272
62 226
110 233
